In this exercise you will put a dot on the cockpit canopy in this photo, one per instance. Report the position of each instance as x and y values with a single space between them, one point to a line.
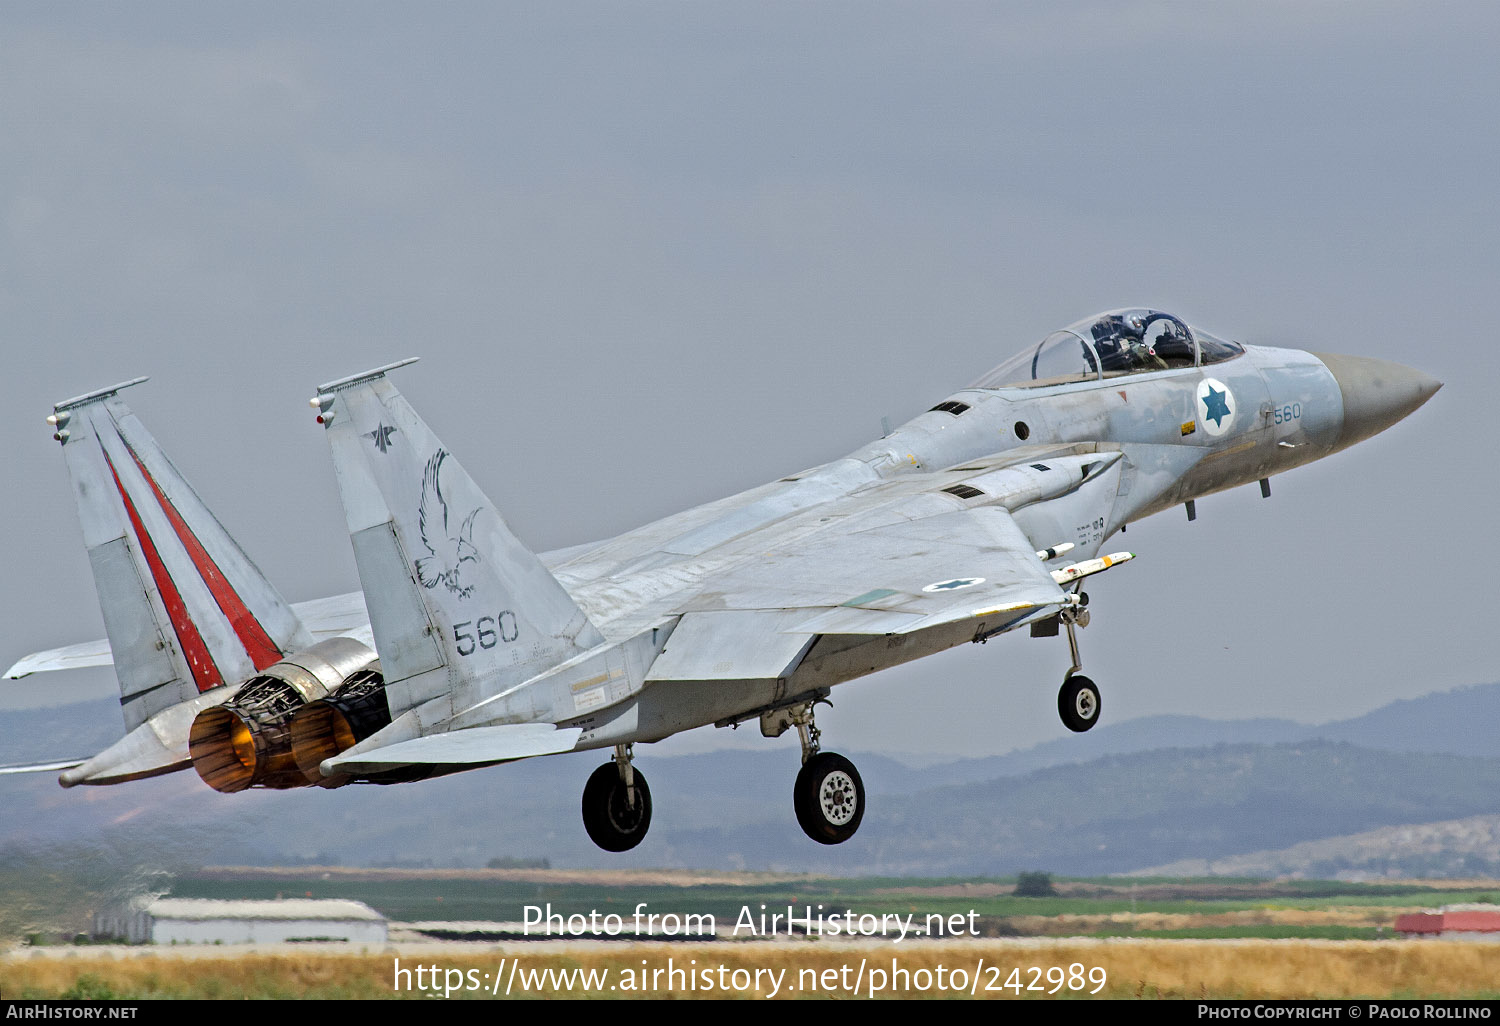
1108 345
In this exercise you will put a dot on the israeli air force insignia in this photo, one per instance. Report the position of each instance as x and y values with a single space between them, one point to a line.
954 584
1215 406
381 436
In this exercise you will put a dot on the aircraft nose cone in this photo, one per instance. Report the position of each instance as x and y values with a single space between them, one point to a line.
1377 393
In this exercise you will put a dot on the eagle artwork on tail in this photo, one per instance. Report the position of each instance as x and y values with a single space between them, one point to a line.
448 552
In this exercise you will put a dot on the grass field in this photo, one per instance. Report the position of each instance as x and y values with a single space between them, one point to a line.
1123 938
988 969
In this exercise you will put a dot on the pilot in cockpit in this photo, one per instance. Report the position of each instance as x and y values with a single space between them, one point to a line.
1119 342
1168 342
1136 341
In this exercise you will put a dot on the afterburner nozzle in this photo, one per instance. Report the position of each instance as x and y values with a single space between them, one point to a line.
247 741
229 752
322 729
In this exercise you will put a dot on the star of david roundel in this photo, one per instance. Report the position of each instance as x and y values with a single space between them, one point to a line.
1216 406
954 584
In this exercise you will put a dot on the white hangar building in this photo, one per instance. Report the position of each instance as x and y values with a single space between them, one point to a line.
207 921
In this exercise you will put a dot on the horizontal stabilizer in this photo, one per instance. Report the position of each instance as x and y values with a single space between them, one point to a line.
71 657
41 767
474 746
155 747
338 616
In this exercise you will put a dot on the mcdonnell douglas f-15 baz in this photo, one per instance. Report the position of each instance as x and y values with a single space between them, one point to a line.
980 516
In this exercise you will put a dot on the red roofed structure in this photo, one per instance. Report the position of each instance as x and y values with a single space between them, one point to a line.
1453 922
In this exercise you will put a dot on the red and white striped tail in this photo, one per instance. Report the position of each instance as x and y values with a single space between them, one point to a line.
185 609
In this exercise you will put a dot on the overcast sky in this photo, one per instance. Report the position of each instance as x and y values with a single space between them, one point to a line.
653 254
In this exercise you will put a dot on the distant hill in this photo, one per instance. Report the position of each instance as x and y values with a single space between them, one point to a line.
1124 797
731 810
68 731
1457 722
1462 721
1127 812
1451 848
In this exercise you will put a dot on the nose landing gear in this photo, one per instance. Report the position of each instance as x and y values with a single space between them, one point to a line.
1078 700
1078 703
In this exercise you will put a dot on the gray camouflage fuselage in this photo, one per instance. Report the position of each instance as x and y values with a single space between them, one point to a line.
695 625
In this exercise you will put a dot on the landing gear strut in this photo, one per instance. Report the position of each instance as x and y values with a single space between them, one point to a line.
617 803
1078 699
829 796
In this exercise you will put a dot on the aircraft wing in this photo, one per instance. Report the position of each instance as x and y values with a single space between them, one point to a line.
973 566
900 558
897 578
338 616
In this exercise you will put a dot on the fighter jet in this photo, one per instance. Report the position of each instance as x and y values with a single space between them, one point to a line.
981 516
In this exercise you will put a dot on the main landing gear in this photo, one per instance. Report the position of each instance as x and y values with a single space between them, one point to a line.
829 796
617 803
1078 699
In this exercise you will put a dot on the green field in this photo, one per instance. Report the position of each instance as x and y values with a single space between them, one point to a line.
1177 908
1185 938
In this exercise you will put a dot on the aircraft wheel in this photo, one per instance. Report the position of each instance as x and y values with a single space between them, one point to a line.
1078 703
829 798
611 823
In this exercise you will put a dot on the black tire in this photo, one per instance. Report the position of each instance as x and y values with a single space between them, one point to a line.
829 798
611 823
1078 703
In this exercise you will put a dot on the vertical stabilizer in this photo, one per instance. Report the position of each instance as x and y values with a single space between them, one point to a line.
454 597
185 610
